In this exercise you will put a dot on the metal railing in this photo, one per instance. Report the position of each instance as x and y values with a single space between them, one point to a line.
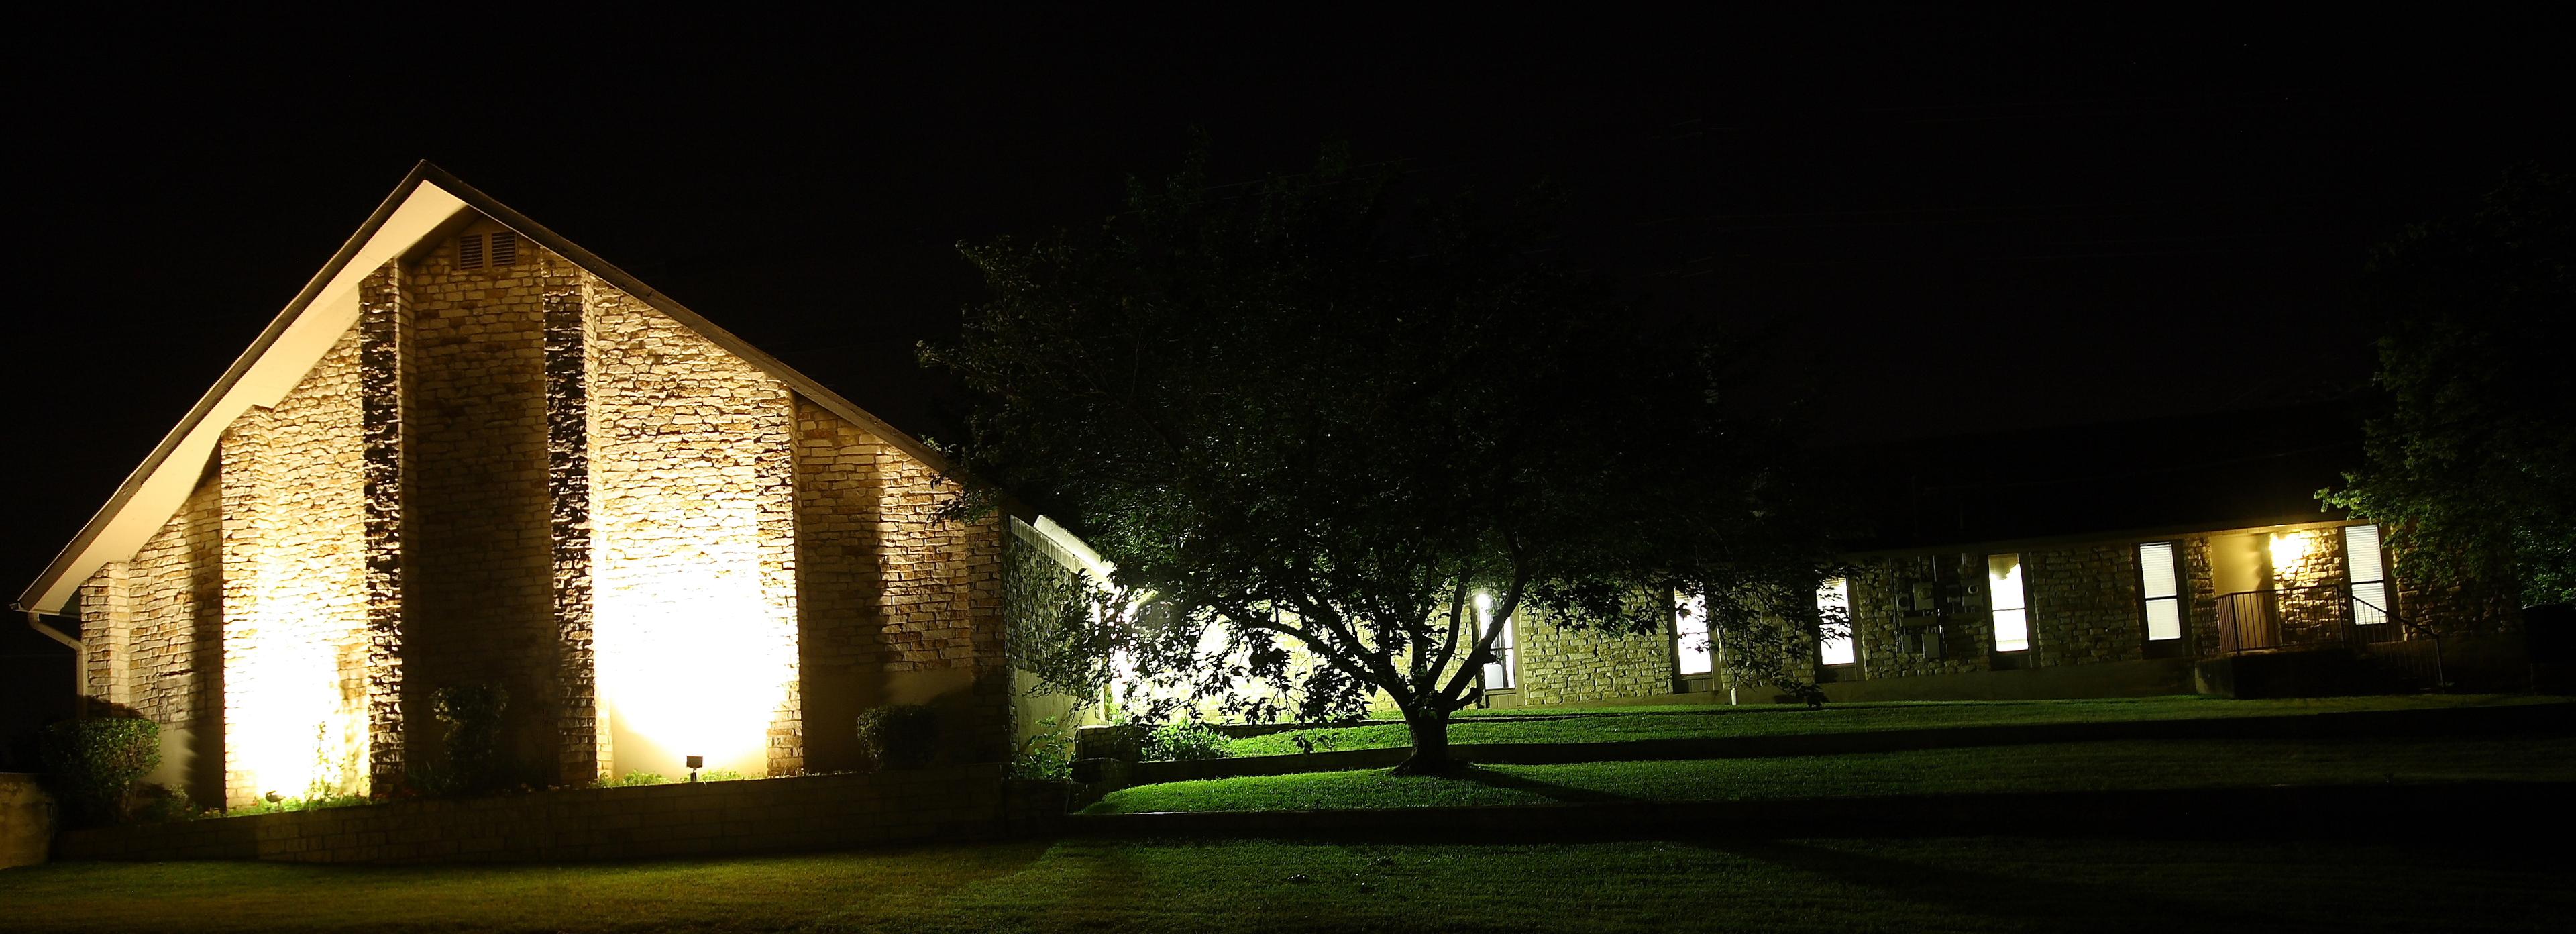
2327 616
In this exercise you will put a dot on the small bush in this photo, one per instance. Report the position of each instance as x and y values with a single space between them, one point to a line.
721 775
159 805
286 805
1048 754
94 763
899 736
476 763
1183 742
632 780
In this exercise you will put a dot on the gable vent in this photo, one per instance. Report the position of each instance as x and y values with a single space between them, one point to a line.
478 251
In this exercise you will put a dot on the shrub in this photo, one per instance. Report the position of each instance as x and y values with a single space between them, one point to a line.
721 775
287 805
899 736
156 804
94 763
1182 742
1047 754
632 780
476 763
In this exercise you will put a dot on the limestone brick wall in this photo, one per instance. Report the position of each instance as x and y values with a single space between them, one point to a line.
2311 602
1557 666
812 812
107 635
295 620
1965 637
477 517
382 319
694 538
176 596
2200 585
2084 602
897 606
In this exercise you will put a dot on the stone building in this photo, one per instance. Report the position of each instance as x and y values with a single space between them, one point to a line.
2066 568
471 453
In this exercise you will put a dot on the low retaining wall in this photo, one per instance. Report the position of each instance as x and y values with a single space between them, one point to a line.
2449 812
26 820
2452 721
764 815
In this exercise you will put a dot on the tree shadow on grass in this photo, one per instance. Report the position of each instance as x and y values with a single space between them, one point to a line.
2043 902
1550 790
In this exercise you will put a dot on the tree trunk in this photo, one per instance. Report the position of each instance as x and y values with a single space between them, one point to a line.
1430 729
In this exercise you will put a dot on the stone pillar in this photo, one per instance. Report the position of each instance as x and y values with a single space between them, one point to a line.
568 487
238 462
380 328
107 625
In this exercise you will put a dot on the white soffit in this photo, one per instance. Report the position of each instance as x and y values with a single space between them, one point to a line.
284 353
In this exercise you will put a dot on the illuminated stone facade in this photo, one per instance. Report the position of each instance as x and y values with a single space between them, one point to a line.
1557 666
521 475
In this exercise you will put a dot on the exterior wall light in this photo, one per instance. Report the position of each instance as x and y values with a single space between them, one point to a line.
2288 548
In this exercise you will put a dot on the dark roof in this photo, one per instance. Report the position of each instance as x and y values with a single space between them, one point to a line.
2227 470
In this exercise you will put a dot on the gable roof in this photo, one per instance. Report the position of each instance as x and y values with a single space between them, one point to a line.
427 205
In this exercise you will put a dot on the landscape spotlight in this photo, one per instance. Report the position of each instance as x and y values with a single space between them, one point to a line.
694 763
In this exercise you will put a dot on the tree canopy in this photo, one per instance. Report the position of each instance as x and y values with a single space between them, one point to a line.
1330 413
2471 462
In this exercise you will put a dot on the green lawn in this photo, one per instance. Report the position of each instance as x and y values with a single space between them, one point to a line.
1836 886
2122 764
1631 723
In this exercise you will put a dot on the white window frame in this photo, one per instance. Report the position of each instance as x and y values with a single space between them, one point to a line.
2170 601
2369 596
1502 673
1836 651
2014 619
1691 624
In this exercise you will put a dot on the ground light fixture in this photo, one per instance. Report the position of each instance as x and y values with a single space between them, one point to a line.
695 762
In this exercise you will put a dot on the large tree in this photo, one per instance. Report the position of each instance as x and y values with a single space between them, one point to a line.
1330 413
2471 461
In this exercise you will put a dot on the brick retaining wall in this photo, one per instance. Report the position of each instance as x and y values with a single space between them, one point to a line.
804 813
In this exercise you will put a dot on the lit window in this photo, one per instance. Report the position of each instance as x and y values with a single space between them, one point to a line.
1498 673
2012 621
1833 605
2367 571
1690 636
2156 585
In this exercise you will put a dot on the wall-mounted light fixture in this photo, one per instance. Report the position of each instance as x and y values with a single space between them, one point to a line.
2288 548
695 762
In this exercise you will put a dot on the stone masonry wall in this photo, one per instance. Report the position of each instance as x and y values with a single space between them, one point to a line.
2084 604
478 561
898 607
2312 603
107 635
582 740
382 319
705 819
520 476
694 532
1557 666
158 648
1966 636
2200 583
295 621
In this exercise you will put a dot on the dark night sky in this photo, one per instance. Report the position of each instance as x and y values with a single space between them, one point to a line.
1974 220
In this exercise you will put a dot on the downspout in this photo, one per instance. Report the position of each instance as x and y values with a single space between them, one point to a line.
80 656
